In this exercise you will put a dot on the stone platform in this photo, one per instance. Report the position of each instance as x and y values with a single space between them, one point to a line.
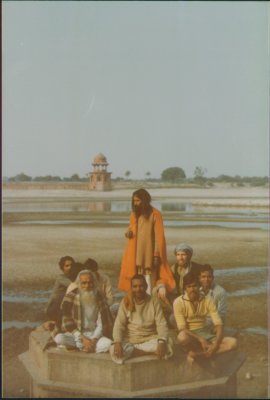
64 374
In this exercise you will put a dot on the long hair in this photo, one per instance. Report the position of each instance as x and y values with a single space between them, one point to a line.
146 208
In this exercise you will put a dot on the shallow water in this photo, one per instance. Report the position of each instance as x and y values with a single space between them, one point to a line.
125 206
224 224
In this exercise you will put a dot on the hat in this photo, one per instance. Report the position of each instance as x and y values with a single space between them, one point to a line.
183 247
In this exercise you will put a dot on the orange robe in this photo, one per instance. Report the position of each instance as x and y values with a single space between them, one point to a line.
128 266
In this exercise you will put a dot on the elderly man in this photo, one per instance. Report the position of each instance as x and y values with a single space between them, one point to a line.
140 327
102 280
146 248
212 290
191 311
84 321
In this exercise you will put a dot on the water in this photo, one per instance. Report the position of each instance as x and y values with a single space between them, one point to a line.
125 206
20 324
175 223
256 330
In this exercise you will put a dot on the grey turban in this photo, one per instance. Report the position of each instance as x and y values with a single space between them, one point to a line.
183 247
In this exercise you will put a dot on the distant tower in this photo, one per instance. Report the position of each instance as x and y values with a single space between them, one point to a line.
100 179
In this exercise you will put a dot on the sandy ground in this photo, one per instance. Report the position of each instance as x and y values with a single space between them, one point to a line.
30 255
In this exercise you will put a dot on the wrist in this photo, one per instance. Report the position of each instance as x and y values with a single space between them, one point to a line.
161 340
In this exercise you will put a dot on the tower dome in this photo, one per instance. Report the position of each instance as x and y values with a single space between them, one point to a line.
100 159
100 179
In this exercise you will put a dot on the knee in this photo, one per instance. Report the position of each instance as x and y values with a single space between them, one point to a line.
59 339
233 343
103 345
182 338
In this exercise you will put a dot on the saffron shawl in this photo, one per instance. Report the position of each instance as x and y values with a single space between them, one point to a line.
128 265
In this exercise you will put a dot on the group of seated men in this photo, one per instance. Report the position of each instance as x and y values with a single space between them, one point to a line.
83 316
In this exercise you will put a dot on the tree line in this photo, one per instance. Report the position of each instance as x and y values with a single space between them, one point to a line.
174 175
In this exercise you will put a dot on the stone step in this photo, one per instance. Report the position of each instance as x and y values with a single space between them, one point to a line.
222 387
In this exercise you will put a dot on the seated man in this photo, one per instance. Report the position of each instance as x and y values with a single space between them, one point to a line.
183 254
140 327
84 323
212 290
191 311
62 281
103 281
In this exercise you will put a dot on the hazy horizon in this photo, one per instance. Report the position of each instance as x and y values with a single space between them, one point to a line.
151 85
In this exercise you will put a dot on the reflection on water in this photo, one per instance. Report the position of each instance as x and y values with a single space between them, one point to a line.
175 223
125 206
174 207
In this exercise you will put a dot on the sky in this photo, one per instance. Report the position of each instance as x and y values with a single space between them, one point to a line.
151 85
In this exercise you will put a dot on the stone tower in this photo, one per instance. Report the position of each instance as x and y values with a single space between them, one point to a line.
100 179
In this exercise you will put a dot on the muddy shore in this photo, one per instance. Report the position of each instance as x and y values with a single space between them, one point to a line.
31 253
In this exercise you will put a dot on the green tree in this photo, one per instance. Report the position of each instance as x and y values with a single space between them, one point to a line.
147 174
22 178
173 174
75 177
199 173
127 174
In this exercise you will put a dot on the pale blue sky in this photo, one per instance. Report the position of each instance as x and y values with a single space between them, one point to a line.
149 84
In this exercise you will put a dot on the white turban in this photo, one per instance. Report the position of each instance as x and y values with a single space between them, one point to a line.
183 247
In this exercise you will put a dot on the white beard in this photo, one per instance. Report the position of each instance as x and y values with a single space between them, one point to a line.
87 297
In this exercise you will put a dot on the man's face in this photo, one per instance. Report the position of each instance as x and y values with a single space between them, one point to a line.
67 267
137 203
138 288
86 282
192 291
183 258
206 279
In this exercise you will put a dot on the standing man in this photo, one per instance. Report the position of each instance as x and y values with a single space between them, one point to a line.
140 327
213 291
84 324
146 249
191 311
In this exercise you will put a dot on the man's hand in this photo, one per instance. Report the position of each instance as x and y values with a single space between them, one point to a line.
49 325
129 234
161 349
89 345
118 350
212 349
205 345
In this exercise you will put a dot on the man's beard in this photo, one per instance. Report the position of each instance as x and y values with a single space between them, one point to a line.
137 209
88 297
